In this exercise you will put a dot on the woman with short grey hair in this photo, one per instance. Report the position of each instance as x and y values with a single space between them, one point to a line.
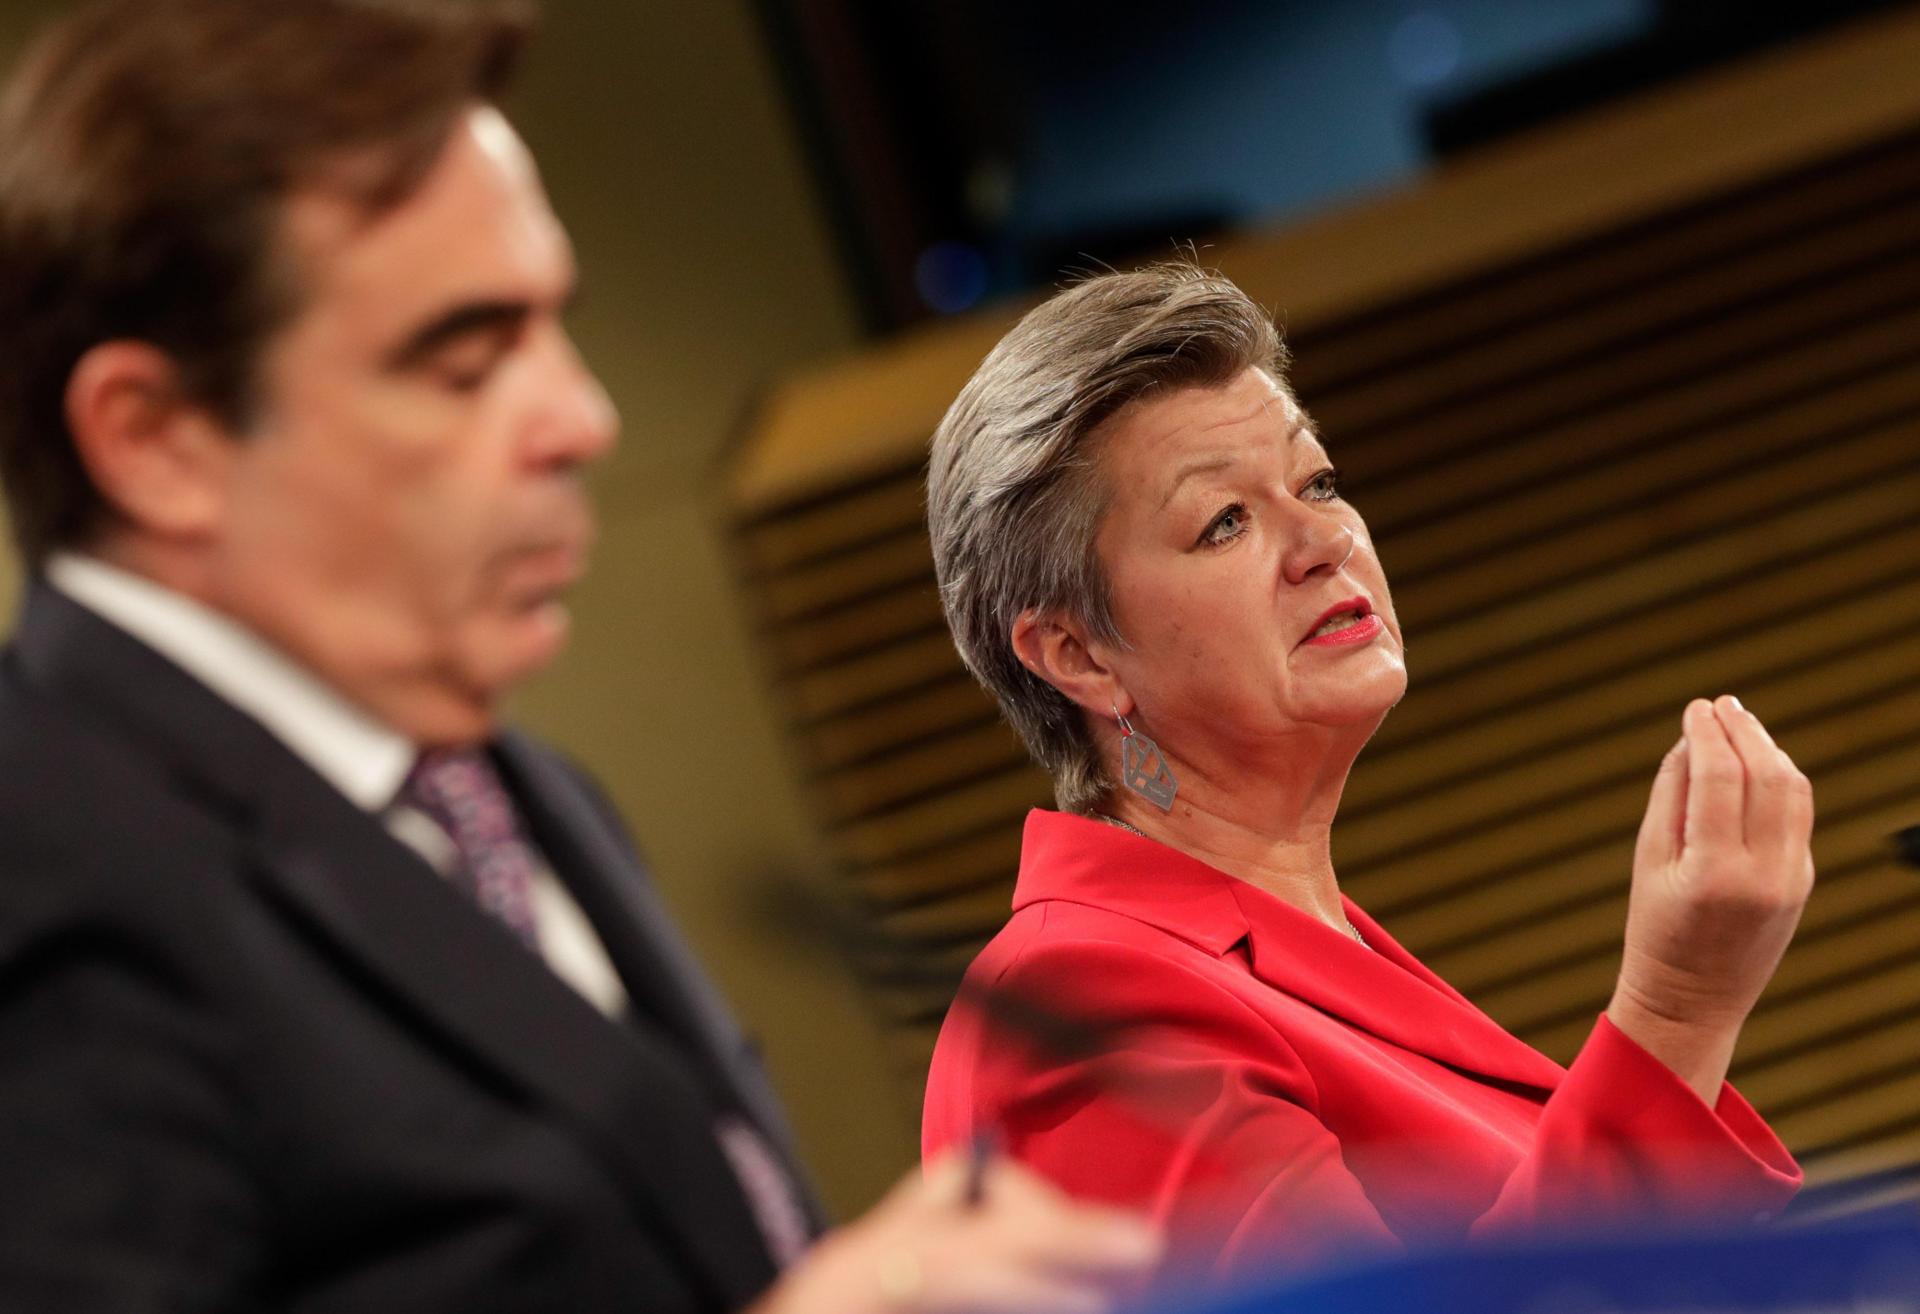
1144 555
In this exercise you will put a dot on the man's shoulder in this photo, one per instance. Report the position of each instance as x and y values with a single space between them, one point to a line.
48 747
83 808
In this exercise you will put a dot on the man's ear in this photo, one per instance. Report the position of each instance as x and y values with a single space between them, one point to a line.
157 457
1059 651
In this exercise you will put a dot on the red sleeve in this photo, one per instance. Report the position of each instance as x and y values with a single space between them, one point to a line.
1194 1107
1624 1137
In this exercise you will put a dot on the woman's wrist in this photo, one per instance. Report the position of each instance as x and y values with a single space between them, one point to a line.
1697 1053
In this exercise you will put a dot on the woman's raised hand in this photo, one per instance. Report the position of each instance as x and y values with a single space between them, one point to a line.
1720 874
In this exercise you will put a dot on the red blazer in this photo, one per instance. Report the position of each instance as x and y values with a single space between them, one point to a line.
1275 1093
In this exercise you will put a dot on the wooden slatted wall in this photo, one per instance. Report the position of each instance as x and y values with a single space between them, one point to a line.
1676 458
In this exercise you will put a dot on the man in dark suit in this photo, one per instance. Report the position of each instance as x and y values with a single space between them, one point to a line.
318 990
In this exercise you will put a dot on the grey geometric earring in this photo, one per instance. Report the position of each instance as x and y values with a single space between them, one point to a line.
1143 767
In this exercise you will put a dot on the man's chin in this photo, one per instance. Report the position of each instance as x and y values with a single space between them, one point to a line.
549 625
534 638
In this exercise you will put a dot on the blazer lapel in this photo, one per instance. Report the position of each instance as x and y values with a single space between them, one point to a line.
1382 989
627 1095
1378 987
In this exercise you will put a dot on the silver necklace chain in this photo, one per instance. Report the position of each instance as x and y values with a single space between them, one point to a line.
1352 930
1115 821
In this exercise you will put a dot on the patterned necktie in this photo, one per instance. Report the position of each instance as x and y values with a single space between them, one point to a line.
459 790
771 1193
462 793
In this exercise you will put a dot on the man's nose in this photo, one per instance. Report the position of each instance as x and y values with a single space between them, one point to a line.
578 423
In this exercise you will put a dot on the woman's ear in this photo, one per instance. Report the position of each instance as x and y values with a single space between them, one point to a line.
1058 651
156 456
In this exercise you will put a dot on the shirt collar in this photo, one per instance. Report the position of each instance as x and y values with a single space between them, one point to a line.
358 755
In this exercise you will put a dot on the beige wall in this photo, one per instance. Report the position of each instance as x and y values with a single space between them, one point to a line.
706 271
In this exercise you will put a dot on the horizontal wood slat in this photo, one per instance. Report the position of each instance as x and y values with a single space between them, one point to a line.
1569 279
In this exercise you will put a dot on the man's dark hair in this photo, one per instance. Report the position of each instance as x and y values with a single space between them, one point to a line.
146 148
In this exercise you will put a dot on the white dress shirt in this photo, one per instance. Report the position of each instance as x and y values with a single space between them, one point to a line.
358 755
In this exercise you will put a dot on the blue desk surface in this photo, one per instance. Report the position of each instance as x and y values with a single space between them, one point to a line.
1865 1267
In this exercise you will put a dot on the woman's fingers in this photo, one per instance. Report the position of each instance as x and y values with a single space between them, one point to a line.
1779 802
1664 826
1716 782
1705 933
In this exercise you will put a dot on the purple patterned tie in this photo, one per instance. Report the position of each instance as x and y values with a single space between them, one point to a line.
770 1192
462 793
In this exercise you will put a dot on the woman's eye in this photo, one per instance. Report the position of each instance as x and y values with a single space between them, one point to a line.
1325 486
1225 527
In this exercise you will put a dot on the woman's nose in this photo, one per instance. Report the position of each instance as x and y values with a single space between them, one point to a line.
1319 545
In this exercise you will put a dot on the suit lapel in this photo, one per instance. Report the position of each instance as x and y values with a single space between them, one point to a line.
589 850
628 1095
432 954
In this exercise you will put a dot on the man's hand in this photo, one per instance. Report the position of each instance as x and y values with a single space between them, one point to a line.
1024 1249
1720 875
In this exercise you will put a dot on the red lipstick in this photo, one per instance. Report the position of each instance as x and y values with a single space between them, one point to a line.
1365 628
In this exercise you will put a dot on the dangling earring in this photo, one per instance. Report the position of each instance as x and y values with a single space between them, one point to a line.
1143 767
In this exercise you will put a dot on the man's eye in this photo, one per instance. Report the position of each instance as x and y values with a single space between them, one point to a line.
465 380
466 366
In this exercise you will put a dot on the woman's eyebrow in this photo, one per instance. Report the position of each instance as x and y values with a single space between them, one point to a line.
1205 465
1209 464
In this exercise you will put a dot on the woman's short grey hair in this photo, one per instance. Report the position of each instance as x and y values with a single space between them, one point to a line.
1014 497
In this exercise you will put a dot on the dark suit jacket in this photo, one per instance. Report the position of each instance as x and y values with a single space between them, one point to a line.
255 1054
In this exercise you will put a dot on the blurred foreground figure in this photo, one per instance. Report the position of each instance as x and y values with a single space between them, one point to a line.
318 991
1144 553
